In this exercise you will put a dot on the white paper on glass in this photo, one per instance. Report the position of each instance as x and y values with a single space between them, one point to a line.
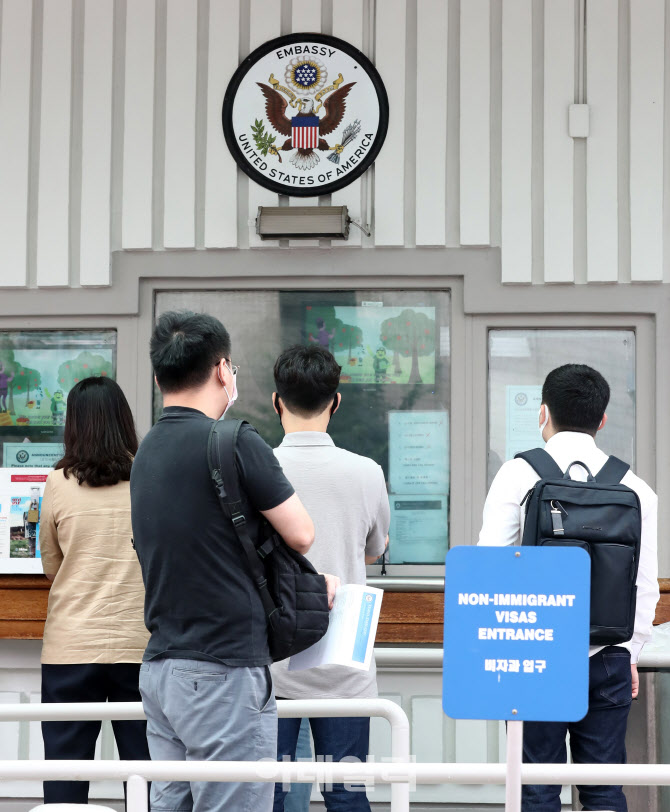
31 455
419 452
522 409
419 528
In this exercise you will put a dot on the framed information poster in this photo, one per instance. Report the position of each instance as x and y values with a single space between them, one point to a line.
21 494
37 370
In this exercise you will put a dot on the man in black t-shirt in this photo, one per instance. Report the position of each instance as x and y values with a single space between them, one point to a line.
205 679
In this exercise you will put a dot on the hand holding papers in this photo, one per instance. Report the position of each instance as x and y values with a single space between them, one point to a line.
351 631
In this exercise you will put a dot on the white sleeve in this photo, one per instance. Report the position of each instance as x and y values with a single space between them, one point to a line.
501 523
375 543
647 582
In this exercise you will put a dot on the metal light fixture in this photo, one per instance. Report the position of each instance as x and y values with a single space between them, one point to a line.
304 222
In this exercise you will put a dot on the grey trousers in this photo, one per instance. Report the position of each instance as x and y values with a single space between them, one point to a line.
202 711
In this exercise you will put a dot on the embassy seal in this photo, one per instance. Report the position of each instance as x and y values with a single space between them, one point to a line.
305 114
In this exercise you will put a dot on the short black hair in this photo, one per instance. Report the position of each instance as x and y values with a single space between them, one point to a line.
100 438
306 379
577 397
184 348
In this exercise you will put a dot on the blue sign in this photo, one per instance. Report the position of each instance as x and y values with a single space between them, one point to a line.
516 633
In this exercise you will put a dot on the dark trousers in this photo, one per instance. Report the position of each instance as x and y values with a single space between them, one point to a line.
117 682
334 740
599 738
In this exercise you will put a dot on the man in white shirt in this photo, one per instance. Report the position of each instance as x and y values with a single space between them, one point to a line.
574 400
345 494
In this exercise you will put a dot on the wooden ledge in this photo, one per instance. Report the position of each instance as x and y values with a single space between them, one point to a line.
406 617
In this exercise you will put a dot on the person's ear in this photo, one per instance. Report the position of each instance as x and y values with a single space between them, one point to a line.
275 403
602 423
336 404
221 368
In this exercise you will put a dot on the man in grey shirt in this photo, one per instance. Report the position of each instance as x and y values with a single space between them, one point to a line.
345 494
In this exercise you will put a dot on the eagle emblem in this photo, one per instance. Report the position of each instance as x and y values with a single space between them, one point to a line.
305 129
298 99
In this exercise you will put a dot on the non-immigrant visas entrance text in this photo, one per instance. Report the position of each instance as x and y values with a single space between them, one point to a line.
529 632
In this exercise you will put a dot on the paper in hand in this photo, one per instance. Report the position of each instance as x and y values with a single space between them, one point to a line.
351 631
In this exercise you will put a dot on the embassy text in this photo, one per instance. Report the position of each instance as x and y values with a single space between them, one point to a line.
297 50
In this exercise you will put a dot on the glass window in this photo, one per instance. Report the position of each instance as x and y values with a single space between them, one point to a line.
519 361
37 370
394 350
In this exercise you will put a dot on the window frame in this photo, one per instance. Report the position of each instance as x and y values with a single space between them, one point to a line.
398 576
645 376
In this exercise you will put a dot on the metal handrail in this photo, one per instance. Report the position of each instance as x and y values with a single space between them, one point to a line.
400 772
286 708
329 771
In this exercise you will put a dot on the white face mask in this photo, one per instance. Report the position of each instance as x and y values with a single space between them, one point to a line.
546 418
231 398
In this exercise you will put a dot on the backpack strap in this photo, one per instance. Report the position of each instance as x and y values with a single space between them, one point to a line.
221 446
541 461
612 472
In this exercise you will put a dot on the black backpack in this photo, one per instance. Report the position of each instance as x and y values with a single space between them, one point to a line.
293 593
602 516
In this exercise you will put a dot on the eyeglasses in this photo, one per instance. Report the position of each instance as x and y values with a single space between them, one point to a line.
234 368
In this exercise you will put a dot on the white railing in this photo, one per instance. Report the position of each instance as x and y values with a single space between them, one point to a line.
143 771
400 772
137 773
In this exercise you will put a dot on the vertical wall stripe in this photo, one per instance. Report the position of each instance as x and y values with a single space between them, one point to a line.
427 725
647 32
221 169
53 201
180 96
96 163
265 25
431 123
9 743
470 737
389 226
475 140
602 211
517 113
559 93
348 25
306 16
15 50
138 123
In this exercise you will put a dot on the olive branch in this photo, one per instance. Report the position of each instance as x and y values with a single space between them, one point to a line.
263 139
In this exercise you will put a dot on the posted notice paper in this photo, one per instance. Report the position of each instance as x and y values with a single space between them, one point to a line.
351 631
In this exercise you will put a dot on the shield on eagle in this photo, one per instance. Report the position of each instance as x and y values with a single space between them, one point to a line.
305 132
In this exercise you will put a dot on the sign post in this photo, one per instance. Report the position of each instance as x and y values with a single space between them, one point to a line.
514 761
516 640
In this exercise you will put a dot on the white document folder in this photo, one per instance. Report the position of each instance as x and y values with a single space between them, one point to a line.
351 631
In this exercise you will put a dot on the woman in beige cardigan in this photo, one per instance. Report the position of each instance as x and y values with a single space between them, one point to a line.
94 636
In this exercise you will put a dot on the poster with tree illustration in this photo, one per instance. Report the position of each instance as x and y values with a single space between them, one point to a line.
38 369
376 343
